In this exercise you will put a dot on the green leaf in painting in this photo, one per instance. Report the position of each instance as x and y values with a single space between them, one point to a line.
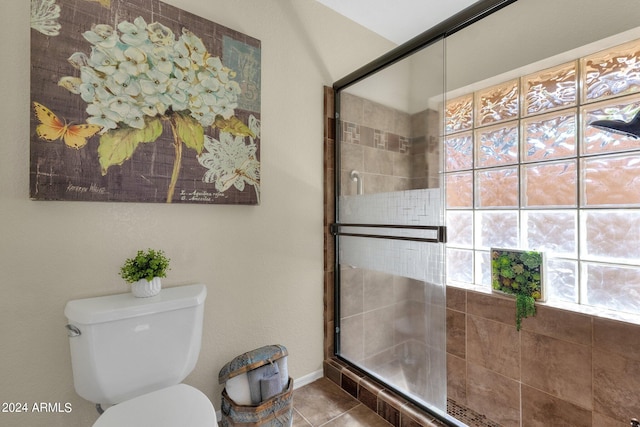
118 145
190 132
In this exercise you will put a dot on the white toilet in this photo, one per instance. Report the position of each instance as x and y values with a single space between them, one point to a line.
133 353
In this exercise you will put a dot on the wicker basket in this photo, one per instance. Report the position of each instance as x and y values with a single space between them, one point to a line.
274 412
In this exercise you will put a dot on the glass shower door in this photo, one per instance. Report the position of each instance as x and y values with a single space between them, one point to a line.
390 234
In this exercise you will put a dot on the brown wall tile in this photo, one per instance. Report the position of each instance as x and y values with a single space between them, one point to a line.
389 407
410 416
368 393
493 345
616 386
456 379
493 395
378 330
329 348
617 337
600 420
350 382
352 338
332 371
329 299
560 368
543 410
492 307
456 299
351 291
378 289
561 324
456 333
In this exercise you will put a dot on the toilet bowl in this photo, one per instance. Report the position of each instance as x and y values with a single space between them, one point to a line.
133 353
179 405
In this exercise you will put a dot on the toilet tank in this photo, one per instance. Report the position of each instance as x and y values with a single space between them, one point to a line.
129 346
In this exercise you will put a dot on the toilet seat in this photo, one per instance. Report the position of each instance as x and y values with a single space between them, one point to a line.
178 405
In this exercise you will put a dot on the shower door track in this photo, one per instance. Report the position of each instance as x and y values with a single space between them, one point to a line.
441 416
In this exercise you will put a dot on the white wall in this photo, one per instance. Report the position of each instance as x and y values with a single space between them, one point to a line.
520 34
262 265
532 30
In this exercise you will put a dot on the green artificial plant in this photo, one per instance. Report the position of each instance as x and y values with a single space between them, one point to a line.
145 265
518 273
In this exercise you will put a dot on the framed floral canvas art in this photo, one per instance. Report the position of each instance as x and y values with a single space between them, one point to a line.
139 101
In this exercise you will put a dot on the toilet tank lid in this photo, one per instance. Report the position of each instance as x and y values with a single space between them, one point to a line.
121 306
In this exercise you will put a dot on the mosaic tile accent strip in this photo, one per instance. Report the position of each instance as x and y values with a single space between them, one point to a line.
357 134
468 416
351 133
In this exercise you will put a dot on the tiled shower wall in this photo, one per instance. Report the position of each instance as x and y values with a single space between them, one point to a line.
392 150
561 369
373 303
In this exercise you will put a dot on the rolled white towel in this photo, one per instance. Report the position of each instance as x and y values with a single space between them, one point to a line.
238 389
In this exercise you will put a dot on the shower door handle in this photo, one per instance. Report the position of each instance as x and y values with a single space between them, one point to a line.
413 233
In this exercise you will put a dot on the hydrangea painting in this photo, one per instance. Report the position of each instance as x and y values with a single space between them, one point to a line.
139 101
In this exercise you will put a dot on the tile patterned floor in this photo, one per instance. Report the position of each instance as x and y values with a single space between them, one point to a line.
323 403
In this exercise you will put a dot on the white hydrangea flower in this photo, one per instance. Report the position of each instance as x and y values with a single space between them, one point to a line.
195 47
160 35
154 82
161 60
104 61
121 83
134 34
135 62
102 35
103 115
144 70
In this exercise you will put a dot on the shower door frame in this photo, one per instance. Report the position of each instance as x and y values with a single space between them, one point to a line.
440 32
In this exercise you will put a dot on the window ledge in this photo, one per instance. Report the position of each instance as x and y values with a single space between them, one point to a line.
576 308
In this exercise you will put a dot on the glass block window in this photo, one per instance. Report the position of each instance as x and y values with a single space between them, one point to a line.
497 145
550 162
497 103
612 72
459 114
550 136
459 151
550 89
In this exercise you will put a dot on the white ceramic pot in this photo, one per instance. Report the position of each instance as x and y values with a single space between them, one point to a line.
144 288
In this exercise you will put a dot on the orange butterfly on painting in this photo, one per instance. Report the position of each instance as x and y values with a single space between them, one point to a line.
52 128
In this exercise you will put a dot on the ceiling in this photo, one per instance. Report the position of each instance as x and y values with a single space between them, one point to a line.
397 20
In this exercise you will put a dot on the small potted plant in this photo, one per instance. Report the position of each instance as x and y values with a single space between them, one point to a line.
144 271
